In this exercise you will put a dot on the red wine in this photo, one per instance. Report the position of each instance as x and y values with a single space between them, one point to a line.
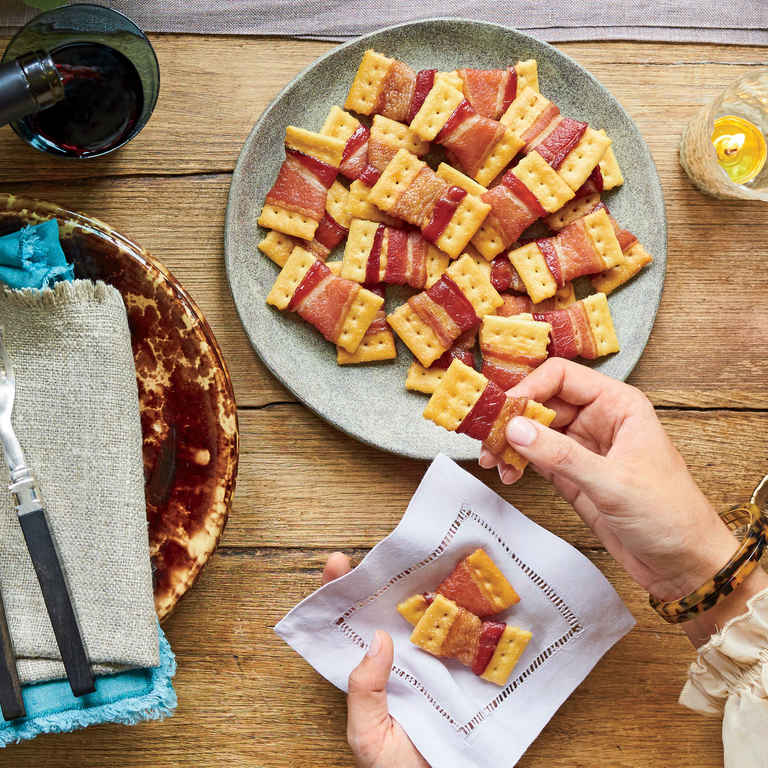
103 100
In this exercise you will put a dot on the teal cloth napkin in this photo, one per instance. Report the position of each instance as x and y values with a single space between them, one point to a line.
33 258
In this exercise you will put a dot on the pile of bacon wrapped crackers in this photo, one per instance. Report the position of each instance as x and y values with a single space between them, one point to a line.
455 234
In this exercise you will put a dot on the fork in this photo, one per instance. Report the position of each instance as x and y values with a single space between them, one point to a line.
37 534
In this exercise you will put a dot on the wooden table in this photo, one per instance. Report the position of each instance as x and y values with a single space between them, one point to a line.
305 490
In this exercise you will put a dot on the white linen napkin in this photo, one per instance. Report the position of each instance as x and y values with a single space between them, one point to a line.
452 716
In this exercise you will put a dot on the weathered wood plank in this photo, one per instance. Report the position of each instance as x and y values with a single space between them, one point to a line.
247 699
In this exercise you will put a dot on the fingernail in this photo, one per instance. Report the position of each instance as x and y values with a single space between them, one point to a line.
375 645
520 431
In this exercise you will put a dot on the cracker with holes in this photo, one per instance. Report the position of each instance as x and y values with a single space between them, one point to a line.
431 321
360 207
512 347
468 403
410 190
480 146
446 630
425 380
588 246
331 230
376 253
521 304
378 343
296 203
340 309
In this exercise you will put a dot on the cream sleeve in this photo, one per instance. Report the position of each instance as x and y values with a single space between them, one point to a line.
729 679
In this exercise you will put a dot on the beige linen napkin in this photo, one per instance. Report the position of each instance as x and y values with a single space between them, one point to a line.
77 418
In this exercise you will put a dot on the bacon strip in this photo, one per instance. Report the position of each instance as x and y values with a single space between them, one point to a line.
446 293
561 141
490 91
550 113
454 353
396 92
442 212
571 335
436 317
489 639
469 137
373 267
302 185
354 160
425 79
313 276
480 420
329 233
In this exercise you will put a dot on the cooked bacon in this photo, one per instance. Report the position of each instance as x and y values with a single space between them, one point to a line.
417 258
481 418
355 158
542 122
504 276
576 253
547 248
425 79
449 296
454 353
403 254
329 233
571 335
490 91
496 441
373 266
444 208
509 373
469 137
436 317
490 634
302 186
561 141
624 236
593 184
396 92
518 304
416 203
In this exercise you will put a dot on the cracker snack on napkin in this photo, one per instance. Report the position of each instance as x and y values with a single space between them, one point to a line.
76 415
452 716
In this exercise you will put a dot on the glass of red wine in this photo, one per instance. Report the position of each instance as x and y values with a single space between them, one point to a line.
110 74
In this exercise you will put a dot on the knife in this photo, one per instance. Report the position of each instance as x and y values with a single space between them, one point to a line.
37 534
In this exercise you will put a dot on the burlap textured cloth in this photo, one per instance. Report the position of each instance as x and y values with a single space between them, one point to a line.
77 418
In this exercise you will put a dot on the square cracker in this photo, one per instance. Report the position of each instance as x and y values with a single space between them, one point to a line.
421 379
439 105
601 323
416 335
403 168
358 206
500 157
458 179
635 258
582 159
335 267
534 272
475 284
509 649
452 78
358 249
287 222
523 112
609 168
456 395
397 135
527 75
488 241
603 236
433 627
324 148
413 608
339 124
491 581
277 247
373 347
537 412
480 261
518 333
336 204
436 263
571 211
465 221
290 276
364 92
545 183
361 314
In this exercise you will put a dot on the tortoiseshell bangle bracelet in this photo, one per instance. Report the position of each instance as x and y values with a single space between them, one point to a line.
730 576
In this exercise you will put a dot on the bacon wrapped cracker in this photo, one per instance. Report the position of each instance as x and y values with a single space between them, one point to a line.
296 203
332 229
467 402
340 309
447 215
480 146
431 321
491 91
512 347
444 629
376 253
519 304
583 329
421 379
586 247
569 146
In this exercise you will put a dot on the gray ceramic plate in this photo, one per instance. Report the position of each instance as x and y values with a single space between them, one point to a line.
369 401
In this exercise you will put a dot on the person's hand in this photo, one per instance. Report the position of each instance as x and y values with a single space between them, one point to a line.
613 461
377 740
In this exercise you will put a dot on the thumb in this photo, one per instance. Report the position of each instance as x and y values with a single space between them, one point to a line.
367 709
557 455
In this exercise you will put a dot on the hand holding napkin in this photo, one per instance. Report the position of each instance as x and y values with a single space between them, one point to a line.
452 716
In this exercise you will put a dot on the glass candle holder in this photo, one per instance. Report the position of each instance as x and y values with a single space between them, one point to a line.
110 74
723 148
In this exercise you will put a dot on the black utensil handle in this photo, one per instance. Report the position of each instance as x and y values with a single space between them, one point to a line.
57 601
11 703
